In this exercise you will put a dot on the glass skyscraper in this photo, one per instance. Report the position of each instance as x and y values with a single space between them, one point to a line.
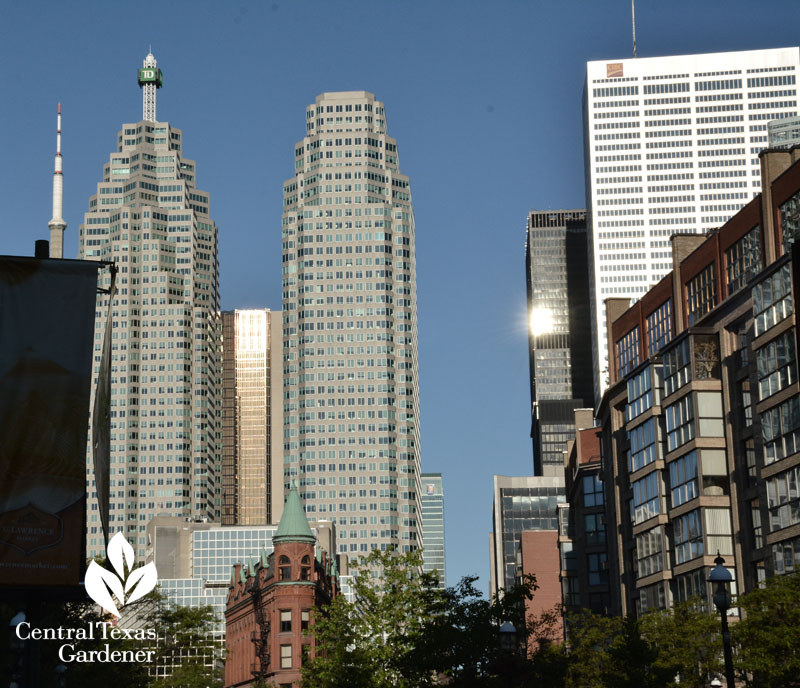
433 525
149 217
351 432
559 336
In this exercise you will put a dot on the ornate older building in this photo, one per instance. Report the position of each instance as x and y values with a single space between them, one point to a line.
270 604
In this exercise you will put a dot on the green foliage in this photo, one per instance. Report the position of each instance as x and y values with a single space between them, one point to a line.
767 639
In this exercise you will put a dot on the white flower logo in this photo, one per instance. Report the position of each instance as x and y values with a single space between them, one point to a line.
102 583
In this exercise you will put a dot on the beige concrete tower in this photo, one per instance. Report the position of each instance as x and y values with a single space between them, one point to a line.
252 429
149 218
351 430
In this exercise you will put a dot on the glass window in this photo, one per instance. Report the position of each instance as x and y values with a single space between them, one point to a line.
286 621
649 552
646 502
642 445
628 356
285 568
592 490
683 479
780 430
772 300
659 327
595 529
676 367
783 499
786 556
598 568
701 293
743 260
688 534
689 585
651 597
640 392
790 221
286 656
305 617
568 560
680 422
777 365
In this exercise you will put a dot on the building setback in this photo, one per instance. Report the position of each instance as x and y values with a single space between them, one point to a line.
671 145
252 428
701 422
559 336
351 431
433 525
149 218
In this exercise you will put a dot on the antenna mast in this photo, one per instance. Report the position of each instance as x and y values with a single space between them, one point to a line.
633 21
150 79
57 224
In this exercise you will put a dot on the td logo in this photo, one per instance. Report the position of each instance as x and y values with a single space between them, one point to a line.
101 583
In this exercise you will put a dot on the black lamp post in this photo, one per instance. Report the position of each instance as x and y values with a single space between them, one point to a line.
722 601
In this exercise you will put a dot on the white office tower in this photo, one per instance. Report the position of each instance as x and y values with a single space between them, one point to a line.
151 220
671 145
351 430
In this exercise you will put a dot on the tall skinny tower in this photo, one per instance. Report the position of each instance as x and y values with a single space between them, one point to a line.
351 429
57 224
150 79
149 217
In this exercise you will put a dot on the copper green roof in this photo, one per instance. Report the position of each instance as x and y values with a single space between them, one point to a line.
294 524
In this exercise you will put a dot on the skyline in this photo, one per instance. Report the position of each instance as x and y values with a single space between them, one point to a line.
470 246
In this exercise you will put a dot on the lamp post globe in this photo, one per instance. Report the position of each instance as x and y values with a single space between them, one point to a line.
722 578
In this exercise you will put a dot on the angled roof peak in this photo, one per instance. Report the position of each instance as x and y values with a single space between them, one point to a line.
294 524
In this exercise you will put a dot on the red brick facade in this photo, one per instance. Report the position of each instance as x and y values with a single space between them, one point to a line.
270 604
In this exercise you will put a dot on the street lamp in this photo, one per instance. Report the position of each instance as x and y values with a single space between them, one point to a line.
16 662
508 636
722 601
716 683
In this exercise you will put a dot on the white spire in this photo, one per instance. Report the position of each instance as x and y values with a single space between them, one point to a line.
149 80
57 224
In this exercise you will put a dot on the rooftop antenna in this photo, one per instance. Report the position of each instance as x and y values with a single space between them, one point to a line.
57 224
633 21
150 79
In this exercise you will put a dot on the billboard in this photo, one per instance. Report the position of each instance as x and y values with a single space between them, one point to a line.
47 312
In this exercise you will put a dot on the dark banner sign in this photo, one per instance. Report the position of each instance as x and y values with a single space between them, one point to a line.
47 310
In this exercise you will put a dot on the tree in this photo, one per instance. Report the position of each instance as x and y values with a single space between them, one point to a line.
767 639
370 643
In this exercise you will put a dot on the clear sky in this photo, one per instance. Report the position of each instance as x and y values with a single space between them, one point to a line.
484 99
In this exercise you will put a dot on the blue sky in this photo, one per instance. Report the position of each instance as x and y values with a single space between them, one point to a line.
484 99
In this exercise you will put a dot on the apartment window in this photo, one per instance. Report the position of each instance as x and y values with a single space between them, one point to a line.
286 656
642 441
305 617
628 352
689 585
777 365
676 367
286 621
285 568
680 422
786 556
743 260
780 430
651 597
772 300
598 568
570 591
646 502
568 560
659 327
783 499
683 479
701 293
790 221
640 393
592 491
649 552
305 568
595 529
688 533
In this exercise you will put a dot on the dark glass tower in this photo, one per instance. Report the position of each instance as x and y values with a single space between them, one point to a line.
559 336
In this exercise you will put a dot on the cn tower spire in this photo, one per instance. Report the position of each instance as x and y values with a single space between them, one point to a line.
149 80
57 224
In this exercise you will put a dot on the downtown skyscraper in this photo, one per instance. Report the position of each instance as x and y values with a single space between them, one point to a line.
559 336
351 432
671 146
150 219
